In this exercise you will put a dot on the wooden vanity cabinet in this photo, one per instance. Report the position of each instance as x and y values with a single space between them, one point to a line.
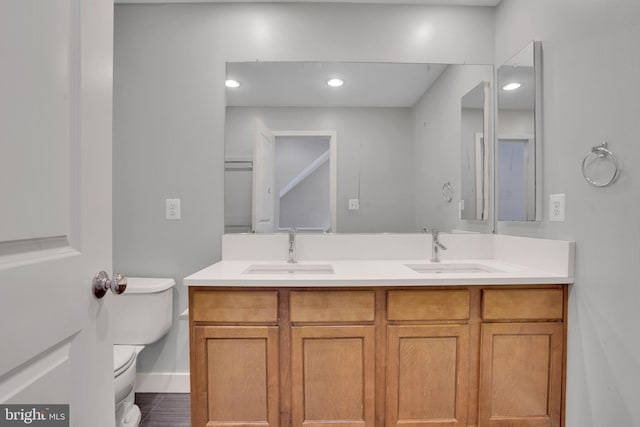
235 358
333 375
239 384
427 358
522 358
333 355
464 356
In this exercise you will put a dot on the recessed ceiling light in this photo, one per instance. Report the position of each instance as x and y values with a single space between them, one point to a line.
232 83
511 86
335 82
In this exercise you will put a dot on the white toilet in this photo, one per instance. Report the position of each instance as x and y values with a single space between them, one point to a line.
141 315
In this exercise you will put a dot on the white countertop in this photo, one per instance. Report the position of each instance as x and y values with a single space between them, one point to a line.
370 273
380 260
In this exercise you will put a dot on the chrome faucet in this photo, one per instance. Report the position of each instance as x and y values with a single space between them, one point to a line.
436 246
292 246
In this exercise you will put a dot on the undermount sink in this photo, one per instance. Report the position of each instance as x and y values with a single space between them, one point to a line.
450 268
289 269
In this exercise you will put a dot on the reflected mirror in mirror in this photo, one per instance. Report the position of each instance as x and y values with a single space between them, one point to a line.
474 161
518 131
369 155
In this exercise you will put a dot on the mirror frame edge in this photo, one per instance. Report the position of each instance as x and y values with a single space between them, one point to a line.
538 94
537 114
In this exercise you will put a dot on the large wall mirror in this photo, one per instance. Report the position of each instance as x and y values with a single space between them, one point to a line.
474 161
355 155
519 136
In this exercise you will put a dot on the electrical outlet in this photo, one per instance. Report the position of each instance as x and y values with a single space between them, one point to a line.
172 209
557 204
354 204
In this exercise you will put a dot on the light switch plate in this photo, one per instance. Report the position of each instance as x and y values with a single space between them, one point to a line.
557 204
354 204
172 209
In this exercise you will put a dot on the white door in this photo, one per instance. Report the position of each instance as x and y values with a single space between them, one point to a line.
263 180
55 221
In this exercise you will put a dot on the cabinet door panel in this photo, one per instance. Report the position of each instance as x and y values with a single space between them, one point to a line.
236 376
333 376
521 378
427 375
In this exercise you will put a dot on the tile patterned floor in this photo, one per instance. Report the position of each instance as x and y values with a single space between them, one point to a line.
164 409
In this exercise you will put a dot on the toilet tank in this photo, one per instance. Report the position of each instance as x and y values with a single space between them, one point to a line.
144 312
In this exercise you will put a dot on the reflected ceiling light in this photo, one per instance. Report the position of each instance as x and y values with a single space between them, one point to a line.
232 83
335 82
511 86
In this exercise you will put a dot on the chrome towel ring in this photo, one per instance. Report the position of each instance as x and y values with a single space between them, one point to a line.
447 192
596 154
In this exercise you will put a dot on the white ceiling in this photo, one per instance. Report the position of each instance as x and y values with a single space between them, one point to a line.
304 84
396 2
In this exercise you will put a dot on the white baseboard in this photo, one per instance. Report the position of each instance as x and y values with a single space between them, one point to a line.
162 382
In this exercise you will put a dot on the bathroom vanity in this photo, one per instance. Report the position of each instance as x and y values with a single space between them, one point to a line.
477 340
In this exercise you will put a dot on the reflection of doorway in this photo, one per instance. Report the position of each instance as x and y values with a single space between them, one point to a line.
263 174
305 180
516 179
294 180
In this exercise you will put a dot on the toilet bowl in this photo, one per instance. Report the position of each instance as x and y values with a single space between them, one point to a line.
124 365
141 316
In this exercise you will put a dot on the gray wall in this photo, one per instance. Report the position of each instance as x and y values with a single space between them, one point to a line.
169 69
167 143
374 151
591 91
